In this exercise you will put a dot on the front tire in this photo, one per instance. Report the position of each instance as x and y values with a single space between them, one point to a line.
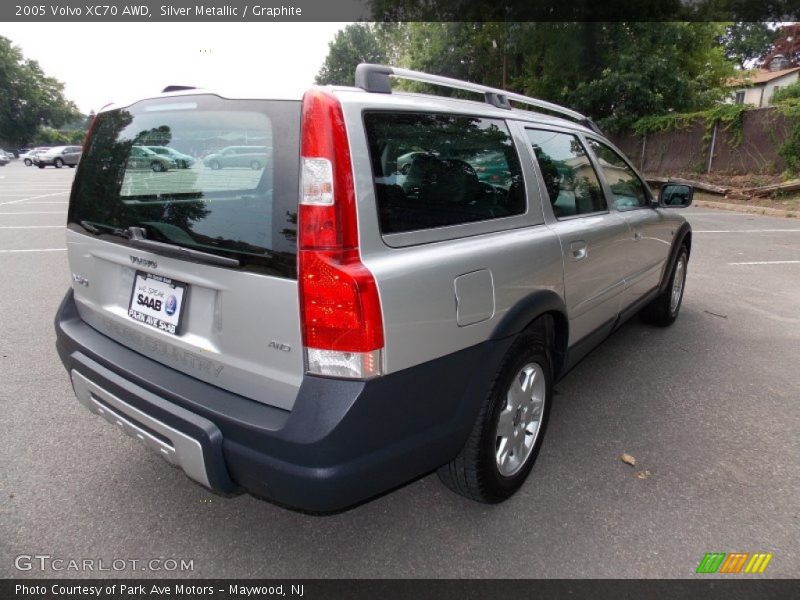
28 162
664 309
508 432
157 167
58 163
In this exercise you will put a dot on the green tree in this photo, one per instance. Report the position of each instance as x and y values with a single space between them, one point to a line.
614 72
744 43
28 98
652 69
356 43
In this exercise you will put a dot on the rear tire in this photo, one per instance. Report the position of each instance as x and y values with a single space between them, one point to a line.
510 420
157 167
664 309
214 164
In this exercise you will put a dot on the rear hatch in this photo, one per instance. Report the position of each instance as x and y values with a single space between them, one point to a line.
193 263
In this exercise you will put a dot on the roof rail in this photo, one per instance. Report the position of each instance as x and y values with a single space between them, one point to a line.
177 88
375 78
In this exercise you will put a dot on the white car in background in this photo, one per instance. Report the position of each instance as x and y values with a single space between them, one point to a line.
27 157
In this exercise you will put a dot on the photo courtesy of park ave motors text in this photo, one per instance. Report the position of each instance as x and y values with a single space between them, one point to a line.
398 298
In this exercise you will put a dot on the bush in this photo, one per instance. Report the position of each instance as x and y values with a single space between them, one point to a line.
790 92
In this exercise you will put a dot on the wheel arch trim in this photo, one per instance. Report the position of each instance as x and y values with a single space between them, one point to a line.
531 308
684 234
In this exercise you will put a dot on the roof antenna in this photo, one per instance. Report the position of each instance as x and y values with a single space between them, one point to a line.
177 88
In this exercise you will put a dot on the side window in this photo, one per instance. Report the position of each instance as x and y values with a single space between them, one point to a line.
435 170
569 176
627 189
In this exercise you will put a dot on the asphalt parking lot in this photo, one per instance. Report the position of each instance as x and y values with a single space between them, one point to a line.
709 407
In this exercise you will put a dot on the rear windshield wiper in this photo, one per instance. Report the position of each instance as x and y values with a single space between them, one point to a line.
97 228
136 236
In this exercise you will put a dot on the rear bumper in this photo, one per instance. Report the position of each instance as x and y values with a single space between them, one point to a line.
342 443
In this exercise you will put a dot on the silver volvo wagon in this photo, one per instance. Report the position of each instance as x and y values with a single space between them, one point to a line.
394 289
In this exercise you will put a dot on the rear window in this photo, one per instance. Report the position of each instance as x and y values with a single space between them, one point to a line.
435 170
167 167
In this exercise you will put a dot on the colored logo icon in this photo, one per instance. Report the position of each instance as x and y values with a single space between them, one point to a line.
171 306
734 562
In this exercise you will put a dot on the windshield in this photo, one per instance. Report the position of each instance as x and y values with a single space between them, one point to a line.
188 193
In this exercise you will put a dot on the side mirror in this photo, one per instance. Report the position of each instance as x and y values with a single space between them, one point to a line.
675 195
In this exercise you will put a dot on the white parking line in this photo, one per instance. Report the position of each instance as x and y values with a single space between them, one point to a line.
34 250
27 191
768 262
32 226
746 230
22 190
33 198
720 214
6 194
40 212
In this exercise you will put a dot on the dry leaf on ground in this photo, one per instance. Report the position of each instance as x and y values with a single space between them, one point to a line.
628 460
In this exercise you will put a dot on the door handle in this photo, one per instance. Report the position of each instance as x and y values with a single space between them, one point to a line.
637 236
578 250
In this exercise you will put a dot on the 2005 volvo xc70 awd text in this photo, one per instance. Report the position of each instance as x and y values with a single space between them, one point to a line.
392 289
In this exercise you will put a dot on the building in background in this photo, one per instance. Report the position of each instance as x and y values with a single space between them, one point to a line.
757 87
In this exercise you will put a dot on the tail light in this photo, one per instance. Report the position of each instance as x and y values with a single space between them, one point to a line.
339 302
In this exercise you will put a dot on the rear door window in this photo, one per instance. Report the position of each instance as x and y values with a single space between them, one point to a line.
244 209
569 177
437 170
627 189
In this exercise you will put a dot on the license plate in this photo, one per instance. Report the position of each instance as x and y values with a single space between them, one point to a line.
158 301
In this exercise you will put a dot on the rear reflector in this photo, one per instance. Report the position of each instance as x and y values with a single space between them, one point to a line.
317 176
339 302
350 365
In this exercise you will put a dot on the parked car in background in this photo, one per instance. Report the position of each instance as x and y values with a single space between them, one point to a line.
491 168
28 155
404 160
183 161
58 157
4 160
254 157
142 157
8 155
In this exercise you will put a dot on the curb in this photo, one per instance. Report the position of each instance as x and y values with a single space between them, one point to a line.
746 208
